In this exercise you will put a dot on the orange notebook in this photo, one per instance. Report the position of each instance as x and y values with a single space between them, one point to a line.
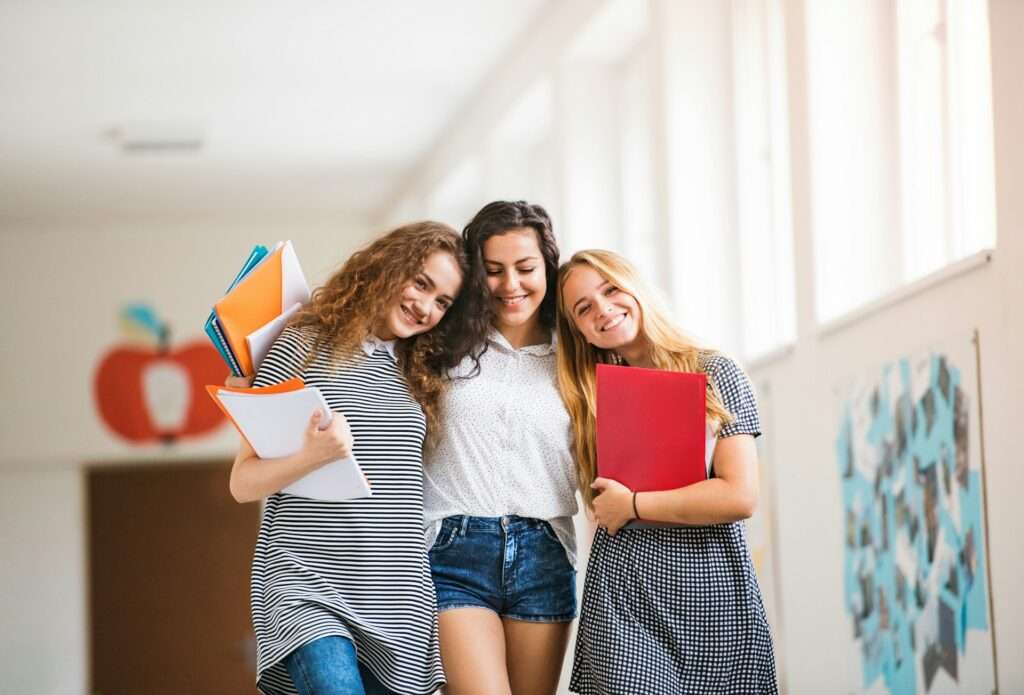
651 427
269 290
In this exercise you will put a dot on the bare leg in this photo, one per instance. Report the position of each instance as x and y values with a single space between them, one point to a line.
473 652
534 655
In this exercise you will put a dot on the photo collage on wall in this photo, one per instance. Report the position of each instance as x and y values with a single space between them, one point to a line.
916 585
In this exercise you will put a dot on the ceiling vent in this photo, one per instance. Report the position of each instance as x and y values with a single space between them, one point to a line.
141 139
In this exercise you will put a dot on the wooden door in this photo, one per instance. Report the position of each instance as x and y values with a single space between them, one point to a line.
169 556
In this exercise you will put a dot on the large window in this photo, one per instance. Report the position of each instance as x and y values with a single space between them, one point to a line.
946 159
901 142
662 129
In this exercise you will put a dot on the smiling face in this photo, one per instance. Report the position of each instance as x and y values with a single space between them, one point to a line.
605 316
516 278
423 302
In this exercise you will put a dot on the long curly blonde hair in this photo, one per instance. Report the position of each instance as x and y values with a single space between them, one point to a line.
345 309
671 349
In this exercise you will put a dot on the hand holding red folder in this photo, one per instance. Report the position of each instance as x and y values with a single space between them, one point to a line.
651 427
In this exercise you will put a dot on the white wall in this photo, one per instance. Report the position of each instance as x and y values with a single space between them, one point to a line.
43 608
72 278
66 280
807 484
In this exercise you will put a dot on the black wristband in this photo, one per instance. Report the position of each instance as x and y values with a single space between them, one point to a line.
636 514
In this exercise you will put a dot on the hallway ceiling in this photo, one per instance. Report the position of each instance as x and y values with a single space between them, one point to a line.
305 106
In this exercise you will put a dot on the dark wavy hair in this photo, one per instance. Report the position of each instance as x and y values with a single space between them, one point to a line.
344 310
495 219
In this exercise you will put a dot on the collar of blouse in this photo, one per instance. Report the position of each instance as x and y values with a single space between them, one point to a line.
501 342
372 342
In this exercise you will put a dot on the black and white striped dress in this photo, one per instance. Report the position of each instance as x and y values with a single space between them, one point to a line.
357 569
675 611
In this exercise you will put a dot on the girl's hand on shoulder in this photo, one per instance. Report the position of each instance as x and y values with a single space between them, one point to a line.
238 382
613 504
329 444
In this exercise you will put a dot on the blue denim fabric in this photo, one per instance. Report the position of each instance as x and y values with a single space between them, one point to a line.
328 666
510 564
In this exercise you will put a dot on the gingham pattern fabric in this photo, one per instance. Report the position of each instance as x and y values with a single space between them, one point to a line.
674 611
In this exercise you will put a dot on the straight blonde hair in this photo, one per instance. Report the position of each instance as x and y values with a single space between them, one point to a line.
671 349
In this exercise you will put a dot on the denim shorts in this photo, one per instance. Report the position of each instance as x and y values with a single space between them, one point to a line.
512 565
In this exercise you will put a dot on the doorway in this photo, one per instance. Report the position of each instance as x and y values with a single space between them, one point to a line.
169 559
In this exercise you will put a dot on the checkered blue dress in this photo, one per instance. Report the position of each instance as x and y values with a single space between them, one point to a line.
668 611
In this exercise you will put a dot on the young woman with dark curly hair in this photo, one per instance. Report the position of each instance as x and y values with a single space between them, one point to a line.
342 597
500 486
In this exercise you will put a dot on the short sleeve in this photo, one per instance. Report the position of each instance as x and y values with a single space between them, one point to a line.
737 395
286 357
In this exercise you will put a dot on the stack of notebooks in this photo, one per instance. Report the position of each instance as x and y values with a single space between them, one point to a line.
274 420
267 291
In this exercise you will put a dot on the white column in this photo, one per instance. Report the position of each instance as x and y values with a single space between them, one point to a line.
642 189
694 44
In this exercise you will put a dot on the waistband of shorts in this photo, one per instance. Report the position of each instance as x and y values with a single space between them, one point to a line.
494 524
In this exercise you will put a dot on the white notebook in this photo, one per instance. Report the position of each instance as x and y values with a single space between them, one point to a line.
275 424
262 339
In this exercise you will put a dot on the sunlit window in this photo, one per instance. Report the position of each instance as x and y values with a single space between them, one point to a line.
901 143
945 133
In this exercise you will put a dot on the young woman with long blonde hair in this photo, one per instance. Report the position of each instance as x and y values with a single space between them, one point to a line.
668 609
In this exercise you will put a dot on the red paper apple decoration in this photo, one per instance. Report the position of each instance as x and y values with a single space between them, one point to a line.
147 391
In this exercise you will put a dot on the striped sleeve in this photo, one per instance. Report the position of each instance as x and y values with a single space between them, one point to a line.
737 395
285 358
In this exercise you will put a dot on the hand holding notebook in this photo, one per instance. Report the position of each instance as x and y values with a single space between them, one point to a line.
651 427
274 421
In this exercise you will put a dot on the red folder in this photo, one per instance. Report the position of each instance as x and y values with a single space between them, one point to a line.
651 427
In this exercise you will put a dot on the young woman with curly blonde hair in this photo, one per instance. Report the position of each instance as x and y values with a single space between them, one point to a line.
674 608
342 597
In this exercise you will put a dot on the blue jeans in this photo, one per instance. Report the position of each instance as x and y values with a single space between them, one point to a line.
512 565
328 666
